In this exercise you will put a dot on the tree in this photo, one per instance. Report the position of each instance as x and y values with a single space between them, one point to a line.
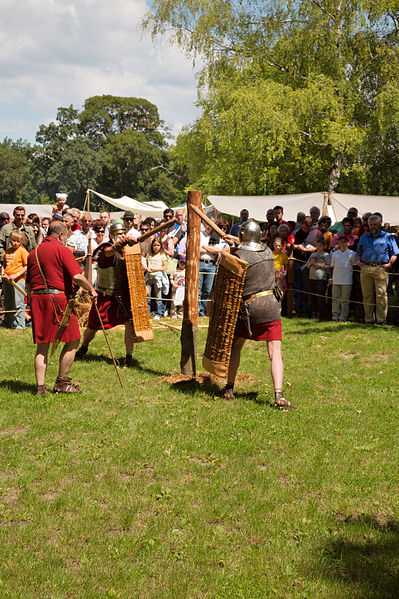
16 172
289 90
107 115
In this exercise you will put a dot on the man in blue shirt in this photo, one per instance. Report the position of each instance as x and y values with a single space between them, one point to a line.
376 253
235 229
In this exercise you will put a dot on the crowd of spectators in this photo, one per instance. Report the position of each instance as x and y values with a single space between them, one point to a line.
339 271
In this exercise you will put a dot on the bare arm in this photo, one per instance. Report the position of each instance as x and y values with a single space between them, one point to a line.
81 280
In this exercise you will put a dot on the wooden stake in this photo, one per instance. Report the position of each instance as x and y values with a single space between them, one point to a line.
109 347
188 361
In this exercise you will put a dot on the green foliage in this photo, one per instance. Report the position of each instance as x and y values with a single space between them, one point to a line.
16 173
292 93
115 145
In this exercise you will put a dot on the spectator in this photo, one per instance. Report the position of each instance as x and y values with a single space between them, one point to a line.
280 263
300 217
376 253
342 262
347 224
271 233
78 242
106 220
128 219
18 223
61 203
314 215
209 253
67 219
244 216
4 219
178 284
269 216
318 266
287 239
100 235
44 224
76 219
13 271
278 212
304 245
324 224
157 281
338 227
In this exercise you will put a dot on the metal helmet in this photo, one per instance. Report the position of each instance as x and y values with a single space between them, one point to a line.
249 236
117 229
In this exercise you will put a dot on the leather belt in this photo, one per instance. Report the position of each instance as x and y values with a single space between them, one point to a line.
207 261
260 294
46 292
374 263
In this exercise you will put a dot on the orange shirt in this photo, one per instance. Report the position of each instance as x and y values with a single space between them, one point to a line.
14 261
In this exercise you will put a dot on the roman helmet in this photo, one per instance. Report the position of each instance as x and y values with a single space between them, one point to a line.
116 229
249 236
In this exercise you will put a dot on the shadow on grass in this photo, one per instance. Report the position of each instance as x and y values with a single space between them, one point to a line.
17 386
212 389
365 556
108 360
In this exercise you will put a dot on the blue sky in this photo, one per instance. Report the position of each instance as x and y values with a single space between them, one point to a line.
60 52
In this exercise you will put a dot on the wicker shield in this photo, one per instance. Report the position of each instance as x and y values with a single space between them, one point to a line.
138 294
227 296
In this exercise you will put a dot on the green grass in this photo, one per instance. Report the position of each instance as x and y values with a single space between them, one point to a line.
165 491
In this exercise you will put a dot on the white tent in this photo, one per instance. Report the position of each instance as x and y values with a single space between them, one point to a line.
259 205
387 206
293 203
154 209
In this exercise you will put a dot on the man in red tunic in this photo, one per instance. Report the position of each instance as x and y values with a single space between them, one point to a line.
52 269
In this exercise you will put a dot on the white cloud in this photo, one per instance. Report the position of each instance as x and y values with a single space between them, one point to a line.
59 52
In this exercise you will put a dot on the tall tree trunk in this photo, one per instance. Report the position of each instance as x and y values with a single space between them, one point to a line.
335 172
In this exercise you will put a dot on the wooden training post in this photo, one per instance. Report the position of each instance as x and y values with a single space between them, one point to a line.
188 338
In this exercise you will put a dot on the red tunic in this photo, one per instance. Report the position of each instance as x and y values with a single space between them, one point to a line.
111 312
59 266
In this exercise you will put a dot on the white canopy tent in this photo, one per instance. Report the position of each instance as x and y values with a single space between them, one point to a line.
259 205
387 206
154 209
338 206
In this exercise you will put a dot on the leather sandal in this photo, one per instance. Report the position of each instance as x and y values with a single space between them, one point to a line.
227 392
283 404
41 390
65 385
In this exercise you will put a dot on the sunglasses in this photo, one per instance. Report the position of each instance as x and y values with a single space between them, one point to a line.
101 231
129 219
143 228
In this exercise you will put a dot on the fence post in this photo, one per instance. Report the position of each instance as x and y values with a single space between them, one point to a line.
188 338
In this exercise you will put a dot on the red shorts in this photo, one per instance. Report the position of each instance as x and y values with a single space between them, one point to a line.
265 331
44 323
110 313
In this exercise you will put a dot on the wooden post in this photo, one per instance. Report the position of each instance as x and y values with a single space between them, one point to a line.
188 338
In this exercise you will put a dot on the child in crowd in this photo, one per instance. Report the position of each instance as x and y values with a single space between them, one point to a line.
342 261
318 266
178 283
14 269
280 263
156 278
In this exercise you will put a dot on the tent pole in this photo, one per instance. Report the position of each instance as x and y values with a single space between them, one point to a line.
188 338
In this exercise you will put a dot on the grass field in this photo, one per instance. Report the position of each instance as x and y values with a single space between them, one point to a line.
165 491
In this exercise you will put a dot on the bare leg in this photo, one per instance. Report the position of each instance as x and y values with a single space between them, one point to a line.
88 336
238 344
41 362
276 364
129 337
67 357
